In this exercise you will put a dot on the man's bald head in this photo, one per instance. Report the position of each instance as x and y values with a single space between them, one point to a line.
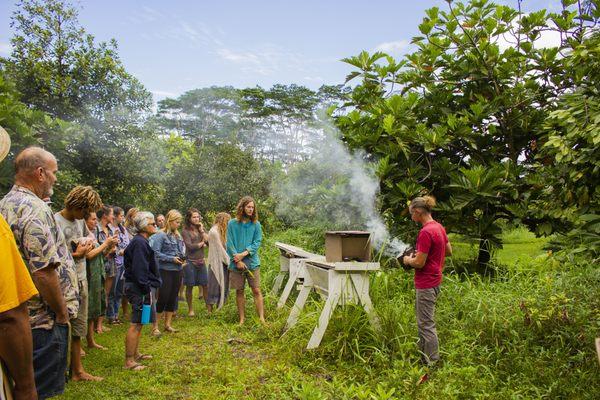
35 169
30 159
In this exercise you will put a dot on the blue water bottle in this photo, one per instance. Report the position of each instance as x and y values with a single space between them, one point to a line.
146 309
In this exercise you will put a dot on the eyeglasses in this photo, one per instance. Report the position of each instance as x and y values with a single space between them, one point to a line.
152 224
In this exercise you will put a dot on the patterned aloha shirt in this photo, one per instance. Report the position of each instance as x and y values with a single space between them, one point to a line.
41 244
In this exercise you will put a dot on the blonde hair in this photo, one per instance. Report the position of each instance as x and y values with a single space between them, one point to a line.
83 198
426 203
239 213
221 220
171 216
130 215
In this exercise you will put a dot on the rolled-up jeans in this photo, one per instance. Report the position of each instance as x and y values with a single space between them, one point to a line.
116 294
50 359
425 310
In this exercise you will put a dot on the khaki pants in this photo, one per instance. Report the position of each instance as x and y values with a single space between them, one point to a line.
425 310
79 325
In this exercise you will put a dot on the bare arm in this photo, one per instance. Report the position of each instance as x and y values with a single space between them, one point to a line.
417 261
94 252
448 249
16 349
47 283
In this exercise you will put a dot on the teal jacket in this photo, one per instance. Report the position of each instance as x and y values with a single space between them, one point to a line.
244 236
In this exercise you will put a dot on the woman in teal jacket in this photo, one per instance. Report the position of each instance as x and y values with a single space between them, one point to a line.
244 236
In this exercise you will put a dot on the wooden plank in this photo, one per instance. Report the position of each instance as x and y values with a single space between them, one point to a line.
289 251
346 266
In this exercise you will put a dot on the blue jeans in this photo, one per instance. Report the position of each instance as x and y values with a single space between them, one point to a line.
115 294
50 359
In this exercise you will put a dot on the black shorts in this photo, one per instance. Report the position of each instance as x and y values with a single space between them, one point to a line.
137 300
50 359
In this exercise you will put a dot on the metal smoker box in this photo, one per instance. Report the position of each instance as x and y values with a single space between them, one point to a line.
341 246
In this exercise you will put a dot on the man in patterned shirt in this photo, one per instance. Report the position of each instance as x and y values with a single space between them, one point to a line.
44 250
16 287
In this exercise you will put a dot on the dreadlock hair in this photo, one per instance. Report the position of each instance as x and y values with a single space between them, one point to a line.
83 198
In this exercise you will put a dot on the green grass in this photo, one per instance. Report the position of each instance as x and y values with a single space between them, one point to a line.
525 334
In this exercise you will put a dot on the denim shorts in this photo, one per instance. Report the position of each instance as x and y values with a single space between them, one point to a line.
110 268
195 274
50 359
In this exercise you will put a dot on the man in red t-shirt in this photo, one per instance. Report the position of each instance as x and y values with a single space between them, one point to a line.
432 248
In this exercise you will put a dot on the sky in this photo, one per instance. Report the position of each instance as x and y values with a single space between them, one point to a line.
175 46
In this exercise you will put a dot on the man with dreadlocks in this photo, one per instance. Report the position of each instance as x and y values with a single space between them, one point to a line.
80 201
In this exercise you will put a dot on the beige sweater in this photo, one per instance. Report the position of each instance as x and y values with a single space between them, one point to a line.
217 256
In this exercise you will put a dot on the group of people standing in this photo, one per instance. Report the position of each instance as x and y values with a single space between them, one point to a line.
66 274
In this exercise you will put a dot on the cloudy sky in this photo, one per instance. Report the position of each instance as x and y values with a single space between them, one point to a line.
174 46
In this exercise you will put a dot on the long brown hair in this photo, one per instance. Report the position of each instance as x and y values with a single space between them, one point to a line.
221 220
239 213
188 219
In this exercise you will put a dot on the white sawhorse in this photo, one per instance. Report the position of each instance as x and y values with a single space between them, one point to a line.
341 283
291 263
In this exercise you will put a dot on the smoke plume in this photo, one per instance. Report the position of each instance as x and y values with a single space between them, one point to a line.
336 189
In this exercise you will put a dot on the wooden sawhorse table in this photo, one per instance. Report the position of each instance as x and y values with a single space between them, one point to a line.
340 283
291 263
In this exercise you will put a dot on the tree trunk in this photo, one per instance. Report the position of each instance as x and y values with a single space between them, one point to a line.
484 256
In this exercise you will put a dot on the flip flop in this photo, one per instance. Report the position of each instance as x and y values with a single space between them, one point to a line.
144 357
136 367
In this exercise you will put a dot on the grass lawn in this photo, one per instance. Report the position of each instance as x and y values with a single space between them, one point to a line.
485 346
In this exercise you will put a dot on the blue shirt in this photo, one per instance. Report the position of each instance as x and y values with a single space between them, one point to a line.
167 247
243 236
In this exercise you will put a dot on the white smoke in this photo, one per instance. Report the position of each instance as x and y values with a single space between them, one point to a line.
349 205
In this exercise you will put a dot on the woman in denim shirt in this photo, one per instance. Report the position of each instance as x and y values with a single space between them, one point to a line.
170 251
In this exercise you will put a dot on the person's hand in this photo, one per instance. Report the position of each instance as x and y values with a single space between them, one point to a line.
240 265
81 250
179 261
202 244
112 240
238 257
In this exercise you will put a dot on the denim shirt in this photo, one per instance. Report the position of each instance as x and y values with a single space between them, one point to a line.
166 248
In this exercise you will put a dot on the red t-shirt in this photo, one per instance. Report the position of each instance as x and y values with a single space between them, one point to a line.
432 241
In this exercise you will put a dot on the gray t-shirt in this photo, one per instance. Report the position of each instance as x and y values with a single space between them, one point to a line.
74 231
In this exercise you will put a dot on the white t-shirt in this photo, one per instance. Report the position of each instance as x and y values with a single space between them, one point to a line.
74 232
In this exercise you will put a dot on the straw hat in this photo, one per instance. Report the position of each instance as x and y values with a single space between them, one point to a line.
4 143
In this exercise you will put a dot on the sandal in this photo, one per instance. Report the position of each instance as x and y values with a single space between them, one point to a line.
144 357
156 333
170 329
135 367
